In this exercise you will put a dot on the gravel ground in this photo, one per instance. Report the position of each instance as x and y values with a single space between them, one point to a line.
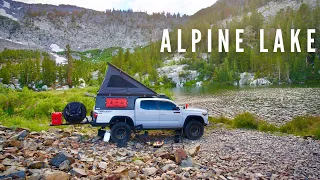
250 154
275 105
219 154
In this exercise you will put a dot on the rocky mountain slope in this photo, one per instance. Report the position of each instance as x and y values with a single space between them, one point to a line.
271 8
40 26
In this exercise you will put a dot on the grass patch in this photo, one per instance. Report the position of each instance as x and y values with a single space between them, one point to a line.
303 126
95 54
18 121
246 121
267 127
222 120
33 110
299 126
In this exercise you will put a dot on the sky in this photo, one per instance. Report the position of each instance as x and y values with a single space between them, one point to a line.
188 7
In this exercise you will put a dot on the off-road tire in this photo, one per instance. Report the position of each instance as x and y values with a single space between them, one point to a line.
193 130
120 132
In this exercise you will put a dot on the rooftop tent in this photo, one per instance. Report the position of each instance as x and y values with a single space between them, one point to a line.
119 83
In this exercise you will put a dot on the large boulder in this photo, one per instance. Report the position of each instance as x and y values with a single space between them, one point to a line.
82 83
44 88
11 86
260 82
246 78
178 74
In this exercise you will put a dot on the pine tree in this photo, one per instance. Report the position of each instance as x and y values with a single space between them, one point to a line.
48 71
316 70
70 66
5 74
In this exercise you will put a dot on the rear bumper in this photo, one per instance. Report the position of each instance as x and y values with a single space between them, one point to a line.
95 124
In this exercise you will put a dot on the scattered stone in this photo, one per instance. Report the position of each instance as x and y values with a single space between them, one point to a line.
59 158
53 130
48 142
119 170
133 174
180 154
122 153
149 171
168 167
121 159
2 167
138 162
193 151
14 175
187 162
139 146
103 165
65 165
22 134
37 165
12 143
78 172
222 177
56 175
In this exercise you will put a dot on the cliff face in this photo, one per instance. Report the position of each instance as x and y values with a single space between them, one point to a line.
39 26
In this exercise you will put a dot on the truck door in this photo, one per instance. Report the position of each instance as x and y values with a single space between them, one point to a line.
170 117
148 114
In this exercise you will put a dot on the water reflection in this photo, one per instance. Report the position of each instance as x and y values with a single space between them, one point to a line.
218 88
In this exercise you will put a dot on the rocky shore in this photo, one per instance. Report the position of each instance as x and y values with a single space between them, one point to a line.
275 105
220 154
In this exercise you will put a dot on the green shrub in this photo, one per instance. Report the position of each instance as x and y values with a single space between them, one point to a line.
246 121
317 133
221 119
302 126
267 127
299 126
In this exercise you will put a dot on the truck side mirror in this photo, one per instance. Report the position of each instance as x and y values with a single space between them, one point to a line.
176 108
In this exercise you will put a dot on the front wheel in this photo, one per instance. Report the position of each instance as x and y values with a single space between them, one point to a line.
120 132
193 130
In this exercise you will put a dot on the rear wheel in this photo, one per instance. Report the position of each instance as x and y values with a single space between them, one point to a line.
120 132
193 130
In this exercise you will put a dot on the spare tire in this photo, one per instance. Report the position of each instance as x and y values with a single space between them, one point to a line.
74 112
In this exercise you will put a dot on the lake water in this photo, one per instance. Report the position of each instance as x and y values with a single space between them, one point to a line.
218 88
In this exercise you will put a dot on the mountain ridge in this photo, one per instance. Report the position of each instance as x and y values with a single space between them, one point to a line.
41 25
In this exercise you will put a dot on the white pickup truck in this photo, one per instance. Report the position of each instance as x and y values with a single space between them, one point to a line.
147 114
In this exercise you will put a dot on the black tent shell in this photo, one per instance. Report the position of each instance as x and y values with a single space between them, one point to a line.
119 83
